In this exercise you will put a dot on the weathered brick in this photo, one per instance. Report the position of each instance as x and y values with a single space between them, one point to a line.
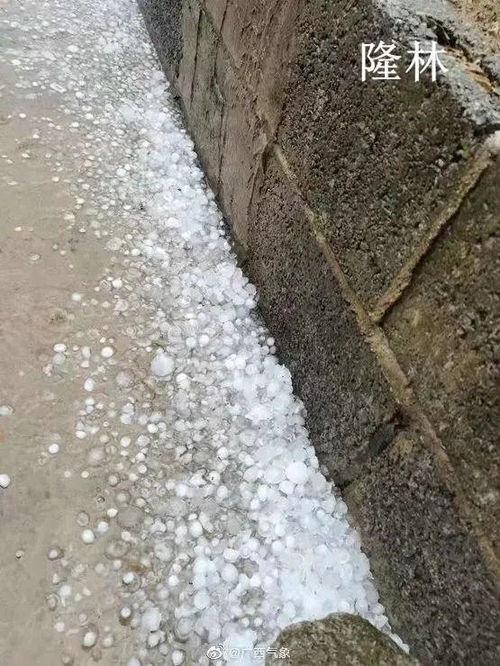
377 159
216 9
190 24
445 334
206 100
439 594
350 411
164 21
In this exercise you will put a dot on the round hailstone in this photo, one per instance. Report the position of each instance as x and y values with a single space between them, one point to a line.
162 365
123 379
195 529
55 553
201 600
125 613
229 573
107 352
89 639
59 347
151 619
89 384
297 472
177 657
88 536
6 410
53 448
4 480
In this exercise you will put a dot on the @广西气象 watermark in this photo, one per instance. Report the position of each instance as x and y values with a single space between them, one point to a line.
383 62
216 652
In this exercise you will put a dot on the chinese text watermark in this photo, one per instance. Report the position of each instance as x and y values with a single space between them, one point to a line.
216 652
381 61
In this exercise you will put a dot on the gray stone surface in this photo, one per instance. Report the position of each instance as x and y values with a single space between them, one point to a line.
336 640
164 22
377 158
445 333
429 571
351 414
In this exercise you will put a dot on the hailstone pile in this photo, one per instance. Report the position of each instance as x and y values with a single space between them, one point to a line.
218 527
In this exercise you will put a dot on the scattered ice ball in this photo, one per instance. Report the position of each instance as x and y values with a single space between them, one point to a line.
4 480
89 384
162 365
88 536
89 639
107 352
6 410
151 619
297 472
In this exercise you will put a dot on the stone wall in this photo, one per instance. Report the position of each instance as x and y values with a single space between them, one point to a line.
368 216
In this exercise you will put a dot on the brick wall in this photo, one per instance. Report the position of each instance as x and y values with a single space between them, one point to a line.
368 216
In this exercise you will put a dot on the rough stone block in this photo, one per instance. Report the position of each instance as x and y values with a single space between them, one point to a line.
445 334
336 640
377 159
164 21
206 100
350 412
187 65
258 35
431 577
243 139
216 9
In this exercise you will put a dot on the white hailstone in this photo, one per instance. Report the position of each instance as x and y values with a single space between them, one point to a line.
89 384
177 657
201 600
162 365
117 283
151 619
53 448
76 298
6 410
125 613
203 340
107 352
58 359
297 472
65 591
4 480
88 536
89 639
128 577
133 662
195 529
229 573
55 553
59 627
102 526
181 490
231 555
222 493
59 347
173 580
162 552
